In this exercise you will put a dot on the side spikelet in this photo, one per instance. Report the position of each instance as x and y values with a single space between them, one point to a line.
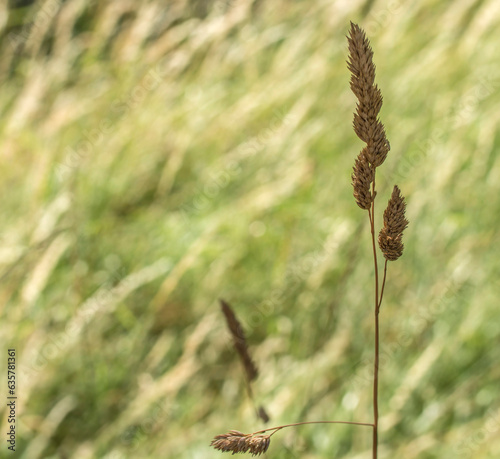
390 238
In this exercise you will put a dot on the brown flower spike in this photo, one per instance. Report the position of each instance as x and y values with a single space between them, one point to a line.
395 222
238 442
366 124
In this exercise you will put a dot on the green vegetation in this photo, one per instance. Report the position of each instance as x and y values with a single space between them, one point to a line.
156 156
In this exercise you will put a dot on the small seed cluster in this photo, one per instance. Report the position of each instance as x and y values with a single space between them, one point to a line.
395 222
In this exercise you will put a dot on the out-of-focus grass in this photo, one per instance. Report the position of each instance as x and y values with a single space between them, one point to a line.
158 155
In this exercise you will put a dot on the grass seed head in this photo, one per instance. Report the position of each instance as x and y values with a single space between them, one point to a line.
366 124
238 442
390 238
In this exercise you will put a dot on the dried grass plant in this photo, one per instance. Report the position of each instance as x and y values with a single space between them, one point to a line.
370 130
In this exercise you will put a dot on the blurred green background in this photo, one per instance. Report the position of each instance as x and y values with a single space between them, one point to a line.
156 156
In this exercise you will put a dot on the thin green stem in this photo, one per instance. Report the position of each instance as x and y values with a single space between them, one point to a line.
310 422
